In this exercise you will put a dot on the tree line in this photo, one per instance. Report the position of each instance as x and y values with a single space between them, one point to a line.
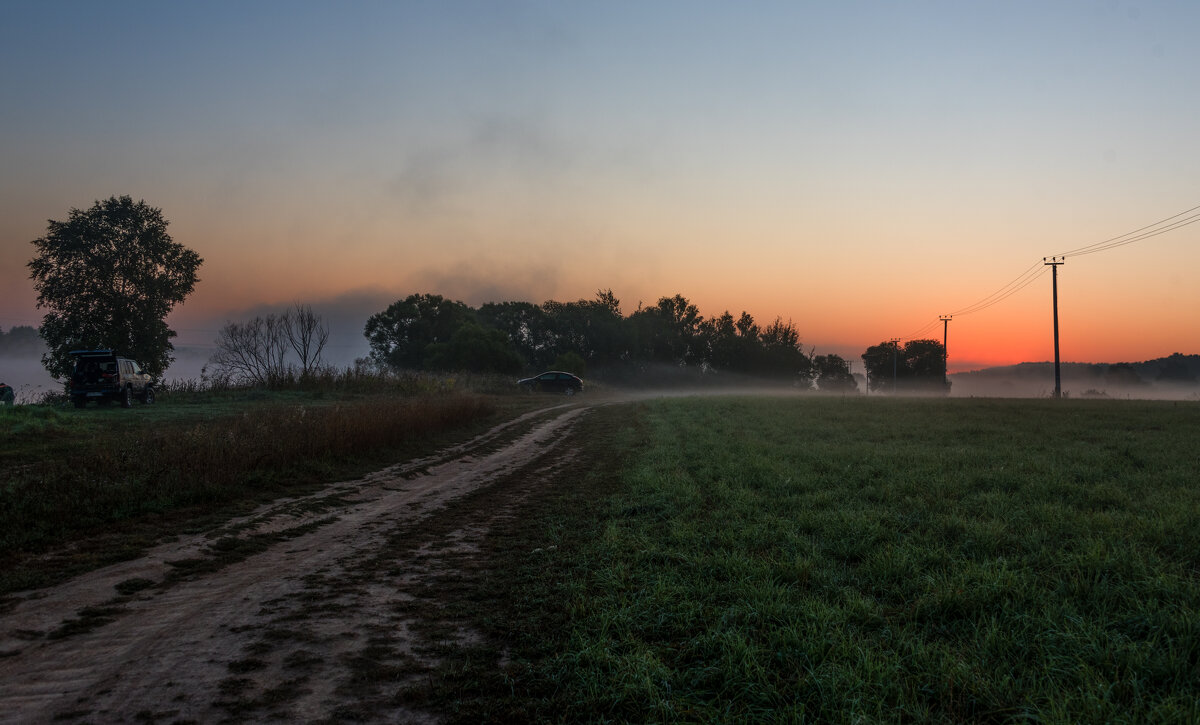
109 275
429 331
21 340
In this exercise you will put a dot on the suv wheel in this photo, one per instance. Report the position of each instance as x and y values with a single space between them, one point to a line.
148 396
127 398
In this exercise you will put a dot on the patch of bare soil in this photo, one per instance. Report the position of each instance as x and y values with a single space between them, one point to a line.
311 609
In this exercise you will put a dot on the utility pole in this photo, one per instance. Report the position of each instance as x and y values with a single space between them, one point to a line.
945 345
1053 263
895 354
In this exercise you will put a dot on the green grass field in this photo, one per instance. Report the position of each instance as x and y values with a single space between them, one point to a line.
857 560
722 559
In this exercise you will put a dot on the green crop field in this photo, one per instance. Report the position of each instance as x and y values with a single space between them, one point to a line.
854 560
713 559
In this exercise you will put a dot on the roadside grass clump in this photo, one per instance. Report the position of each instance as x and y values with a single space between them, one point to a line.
36 422
132 470
800 559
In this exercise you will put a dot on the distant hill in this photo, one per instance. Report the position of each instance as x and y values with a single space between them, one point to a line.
1175 376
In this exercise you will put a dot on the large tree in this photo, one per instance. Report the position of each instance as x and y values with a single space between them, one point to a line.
782 356
399 335
108 277
592 329
670 332
733 345
474 348
919 366
528 328
882 363
833 374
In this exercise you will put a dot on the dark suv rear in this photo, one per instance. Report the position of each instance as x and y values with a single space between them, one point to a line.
103 376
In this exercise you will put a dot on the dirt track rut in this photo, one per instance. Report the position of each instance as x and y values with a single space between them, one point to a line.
276 615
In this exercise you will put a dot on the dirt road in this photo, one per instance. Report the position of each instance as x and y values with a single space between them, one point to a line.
297 612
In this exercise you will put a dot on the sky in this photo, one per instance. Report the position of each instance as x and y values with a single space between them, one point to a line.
859 168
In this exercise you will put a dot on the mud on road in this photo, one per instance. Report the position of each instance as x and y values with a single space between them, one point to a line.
310 609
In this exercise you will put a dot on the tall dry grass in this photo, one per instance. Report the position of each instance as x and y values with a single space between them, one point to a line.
141 470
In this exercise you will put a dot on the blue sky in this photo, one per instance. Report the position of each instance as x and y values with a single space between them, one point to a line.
859 168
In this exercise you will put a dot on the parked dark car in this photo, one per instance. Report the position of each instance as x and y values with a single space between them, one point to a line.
553 382
7 396
104 376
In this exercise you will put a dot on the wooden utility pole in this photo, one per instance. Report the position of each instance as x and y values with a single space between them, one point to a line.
895 355
1053 263
946 345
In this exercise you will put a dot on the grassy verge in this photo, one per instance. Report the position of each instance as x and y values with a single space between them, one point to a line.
721 560
83 488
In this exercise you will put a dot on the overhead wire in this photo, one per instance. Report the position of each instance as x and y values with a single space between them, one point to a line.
1030 278
927 328
1017 284
1037 269
1151 230
1113 245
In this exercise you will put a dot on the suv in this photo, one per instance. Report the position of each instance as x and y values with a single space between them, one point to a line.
102 375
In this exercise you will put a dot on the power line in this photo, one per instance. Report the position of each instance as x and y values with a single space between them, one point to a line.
1037 269
1151 230
1147 235
928 327
981 306
1022 281
1016 285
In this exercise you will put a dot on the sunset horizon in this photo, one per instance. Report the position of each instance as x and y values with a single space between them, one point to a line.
860 171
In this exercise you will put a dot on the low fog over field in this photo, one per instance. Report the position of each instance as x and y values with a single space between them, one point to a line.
1176 377
26 376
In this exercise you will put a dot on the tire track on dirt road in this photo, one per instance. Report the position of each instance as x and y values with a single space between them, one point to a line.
185 632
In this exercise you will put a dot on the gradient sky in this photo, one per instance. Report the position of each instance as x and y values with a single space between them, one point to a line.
857 167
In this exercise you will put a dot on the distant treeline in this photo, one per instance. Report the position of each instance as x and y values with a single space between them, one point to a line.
428 331
1175 369
21 340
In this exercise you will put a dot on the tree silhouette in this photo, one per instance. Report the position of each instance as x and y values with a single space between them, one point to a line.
256 351
528 328
109 276
476 349
429 331
399 335
782 356
833 374
919 366
733 346
669 332
593 329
